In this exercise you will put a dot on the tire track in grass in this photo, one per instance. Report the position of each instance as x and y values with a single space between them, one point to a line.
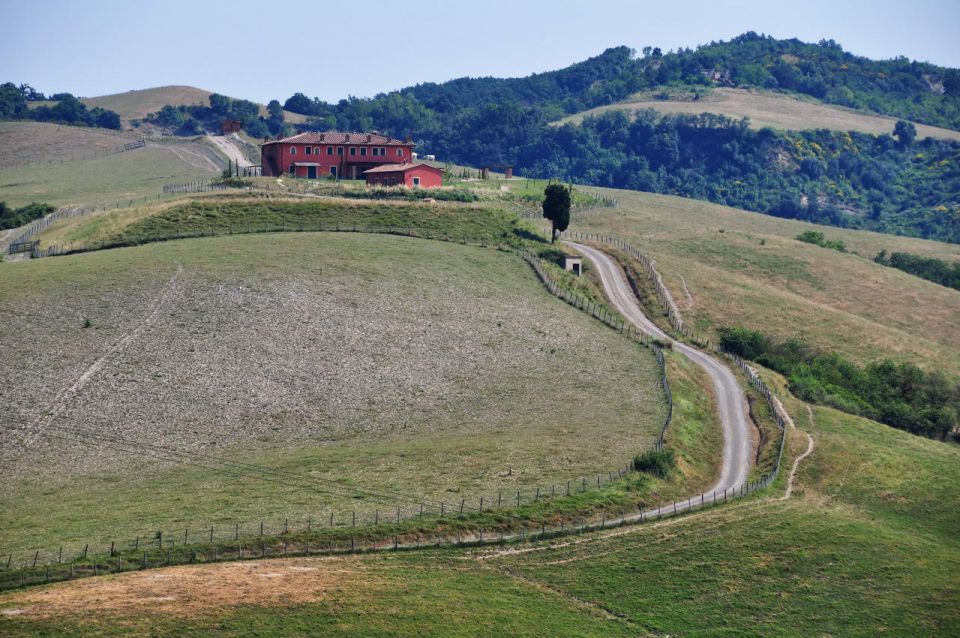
67 395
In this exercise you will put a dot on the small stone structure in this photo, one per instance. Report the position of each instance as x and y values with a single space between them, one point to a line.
574 265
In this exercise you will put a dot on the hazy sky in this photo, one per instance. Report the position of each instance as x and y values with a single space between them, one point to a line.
264 50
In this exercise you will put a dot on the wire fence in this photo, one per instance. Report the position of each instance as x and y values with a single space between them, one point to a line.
376 517
219 544
383 529
676 321
76 157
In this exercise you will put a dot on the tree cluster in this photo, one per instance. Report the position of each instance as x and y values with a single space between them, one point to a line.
197 119
64 108
929 268
14 217
898 394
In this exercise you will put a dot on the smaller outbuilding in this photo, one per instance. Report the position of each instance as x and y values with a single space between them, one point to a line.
409 175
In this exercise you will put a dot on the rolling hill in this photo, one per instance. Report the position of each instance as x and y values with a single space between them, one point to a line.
137 104
764 108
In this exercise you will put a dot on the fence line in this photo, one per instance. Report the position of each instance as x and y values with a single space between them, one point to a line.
214 549
309 541
81 156
666 299
399 514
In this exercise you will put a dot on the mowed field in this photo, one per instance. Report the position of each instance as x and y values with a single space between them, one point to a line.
770 109
727 267
865 547
136 105
43 143
109 179
394 365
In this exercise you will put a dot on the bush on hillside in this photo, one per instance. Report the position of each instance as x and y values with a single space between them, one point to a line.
898 394
658 463
12 218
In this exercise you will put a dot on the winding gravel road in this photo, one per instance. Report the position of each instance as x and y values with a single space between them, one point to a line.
731 402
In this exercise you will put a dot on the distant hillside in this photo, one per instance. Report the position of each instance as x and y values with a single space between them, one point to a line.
136 105
763 108
877 181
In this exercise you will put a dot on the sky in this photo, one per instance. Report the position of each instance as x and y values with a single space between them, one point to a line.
270 50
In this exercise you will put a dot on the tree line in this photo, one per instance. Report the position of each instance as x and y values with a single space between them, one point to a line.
64 108
898 394
929 268
195 119
14 217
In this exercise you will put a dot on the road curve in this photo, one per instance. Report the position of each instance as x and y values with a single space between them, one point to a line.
731 402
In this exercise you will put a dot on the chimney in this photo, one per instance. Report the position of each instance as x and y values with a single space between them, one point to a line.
346 138
321 137
407 139
369 138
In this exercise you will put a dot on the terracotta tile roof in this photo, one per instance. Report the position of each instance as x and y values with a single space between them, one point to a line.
335 137
398 168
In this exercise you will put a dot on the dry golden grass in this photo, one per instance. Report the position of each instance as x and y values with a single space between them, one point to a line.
747 269
135 105
770 109
32 142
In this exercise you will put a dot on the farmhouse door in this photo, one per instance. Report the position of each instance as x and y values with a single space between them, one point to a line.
312 172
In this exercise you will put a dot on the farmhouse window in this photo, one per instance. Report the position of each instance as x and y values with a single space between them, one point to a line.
363 151
307 150
293 150
399 152
316 150
339 150
416 181
329 150
353 151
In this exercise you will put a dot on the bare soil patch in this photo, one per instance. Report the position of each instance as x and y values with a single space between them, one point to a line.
193 590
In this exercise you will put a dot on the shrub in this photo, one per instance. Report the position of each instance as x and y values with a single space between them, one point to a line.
657 463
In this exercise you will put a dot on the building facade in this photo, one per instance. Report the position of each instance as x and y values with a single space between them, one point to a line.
342 155
409 175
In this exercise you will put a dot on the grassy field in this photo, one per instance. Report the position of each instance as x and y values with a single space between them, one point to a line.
39 142
107 180
767 109
747 269
136 105
397 365
223 212
865 547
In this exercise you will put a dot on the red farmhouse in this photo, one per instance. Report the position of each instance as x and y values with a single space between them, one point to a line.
411 175
345 155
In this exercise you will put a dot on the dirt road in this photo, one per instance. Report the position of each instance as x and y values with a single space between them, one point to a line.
226 146
731 402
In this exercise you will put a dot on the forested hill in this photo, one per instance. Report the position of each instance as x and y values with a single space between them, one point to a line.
891 183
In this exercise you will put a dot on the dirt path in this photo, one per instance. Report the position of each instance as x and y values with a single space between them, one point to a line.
226 146
731 402
796 462
65 396
193 158
686 291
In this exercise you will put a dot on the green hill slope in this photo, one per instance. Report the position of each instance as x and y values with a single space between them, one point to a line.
864 547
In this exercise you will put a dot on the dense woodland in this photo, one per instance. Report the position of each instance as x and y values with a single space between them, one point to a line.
63 108
892 183
898 394
195 119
